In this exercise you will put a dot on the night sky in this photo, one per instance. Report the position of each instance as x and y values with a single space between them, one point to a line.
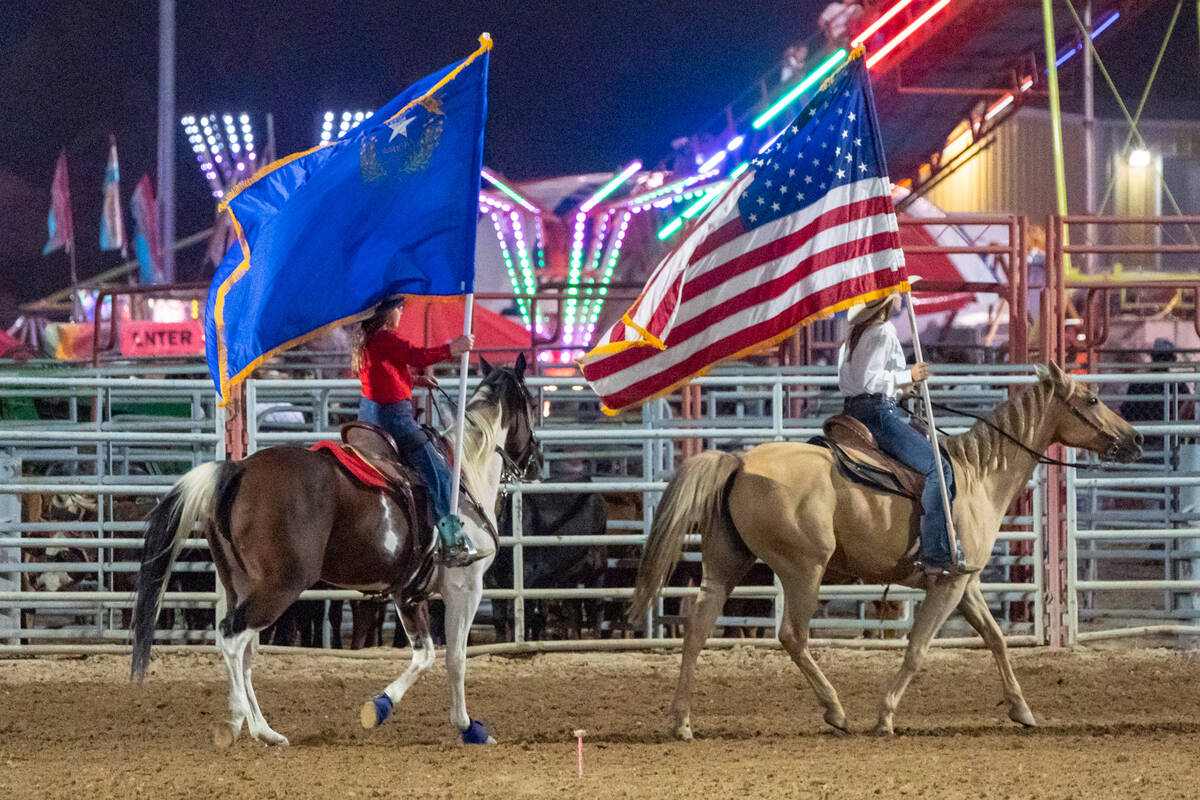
574 87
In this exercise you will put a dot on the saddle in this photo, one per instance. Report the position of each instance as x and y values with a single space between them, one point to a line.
377 449
860 459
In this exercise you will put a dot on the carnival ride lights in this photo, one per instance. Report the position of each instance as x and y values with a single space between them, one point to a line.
908 31
573 311
346 121
224 147
1065 56
800 88
518 199
823 69
884 19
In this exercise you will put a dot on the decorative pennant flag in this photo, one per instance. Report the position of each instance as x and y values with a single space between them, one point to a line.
219 241
147 242
112 224
808 230
62 228
326 234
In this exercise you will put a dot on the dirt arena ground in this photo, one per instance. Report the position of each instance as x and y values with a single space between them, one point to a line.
1115 723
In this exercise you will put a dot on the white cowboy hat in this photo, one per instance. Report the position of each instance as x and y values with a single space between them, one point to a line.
874 305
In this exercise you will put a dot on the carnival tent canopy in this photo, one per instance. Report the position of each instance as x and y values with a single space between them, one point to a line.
431 321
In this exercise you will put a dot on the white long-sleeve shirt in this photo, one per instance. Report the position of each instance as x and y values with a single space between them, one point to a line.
877 366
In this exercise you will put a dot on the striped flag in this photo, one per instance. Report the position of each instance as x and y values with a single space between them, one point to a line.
60 223
112 224
808 230
146 239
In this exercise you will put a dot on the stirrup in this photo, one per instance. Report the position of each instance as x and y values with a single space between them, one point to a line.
455 550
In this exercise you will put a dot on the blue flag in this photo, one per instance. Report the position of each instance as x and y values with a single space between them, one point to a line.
324 235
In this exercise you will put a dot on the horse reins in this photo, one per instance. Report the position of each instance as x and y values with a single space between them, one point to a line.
1041 458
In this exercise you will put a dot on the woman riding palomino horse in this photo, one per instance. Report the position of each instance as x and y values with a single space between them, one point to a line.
787 503
286 517
871 370
384 363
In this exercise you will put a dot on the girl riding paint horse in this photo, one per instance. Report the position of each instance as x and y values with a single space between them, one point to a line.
384 362
788 504
286 517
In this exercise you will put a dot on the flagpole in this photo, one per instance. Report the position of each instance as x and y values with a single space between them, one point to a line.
461 423
933 434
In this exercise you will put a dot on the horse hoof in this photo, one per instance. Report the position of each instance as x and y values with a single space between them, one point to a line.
375 711
272 739
222 737
477 733
684 732
884 730
836 718
1022 716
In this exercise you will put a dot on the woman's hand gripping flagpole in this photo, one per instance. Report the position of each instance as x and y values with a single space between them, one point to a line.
933 434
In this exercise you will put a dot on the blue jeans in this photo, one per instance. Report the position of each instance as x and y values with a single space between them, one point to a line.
415 448
900 441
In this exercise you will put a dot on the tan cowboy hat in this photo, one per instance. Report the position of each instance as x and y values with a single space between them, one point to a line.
874 305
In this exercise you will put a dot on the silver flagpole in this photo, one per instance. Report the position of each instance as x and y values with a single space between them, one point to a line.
461 422
933 435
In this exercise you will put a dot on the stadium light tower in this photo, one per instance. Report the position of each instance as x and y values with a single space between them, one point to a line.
344 121
224 146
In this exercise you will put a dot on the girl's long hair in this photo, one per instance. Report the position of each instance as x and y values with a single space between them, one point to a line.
369 327
866 321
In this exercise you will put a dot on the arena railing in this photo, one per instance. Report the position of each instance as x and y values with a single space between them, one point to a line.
1126 523
113 446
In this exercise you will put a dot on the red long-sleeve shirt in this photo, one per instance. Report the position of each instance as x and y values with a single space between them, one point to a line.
387 365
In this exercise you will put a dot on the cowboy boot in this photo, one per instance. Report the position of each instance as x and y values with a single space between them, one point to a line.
456 549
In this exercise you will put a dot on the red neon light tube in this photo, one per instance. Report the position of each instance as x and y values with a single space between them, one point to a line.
869 31
904 34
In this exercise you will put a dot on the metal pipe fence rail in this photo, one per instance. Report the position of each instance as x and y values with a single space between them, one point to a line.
113 452
1132 556
647 449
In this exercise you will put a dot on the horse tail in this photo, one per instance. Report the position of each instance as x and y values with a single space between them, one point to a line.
170 523
693 502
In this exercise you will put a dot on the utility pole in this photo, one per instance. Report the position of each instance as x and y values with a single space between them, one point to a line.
166 135
1089 136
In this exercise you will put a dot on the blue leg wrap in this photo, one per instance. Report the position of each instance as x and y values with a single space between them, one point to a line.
383 708
476 733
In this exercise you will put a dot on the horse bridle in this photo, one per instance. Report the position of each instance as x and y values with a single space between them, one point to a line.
1042 458
524 466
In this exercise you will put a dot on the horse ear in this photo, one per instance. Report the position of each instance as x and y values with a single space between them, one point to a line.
520 365
1043 373
485 368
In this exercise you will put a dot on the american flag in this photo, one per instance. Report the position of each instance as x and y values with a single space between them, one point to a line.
808 230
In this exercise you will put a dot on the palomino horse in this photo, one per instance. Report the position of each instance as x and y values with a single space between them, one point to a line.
788 504
286 517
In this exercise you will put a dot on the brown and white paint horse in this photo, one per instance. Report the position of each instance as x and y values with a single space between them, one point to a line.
787 503
287 517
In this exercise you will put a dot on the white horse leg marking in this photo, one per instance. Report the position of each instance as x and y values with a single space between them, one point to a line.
461 592
233 649
390 540
422 659
256 722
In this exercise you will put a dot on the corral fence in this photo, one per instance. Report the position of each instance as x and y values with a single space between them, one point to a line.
118 443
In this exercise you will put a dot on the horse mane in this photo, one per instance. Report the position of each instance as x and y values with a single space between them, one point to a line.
482 431
983 447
